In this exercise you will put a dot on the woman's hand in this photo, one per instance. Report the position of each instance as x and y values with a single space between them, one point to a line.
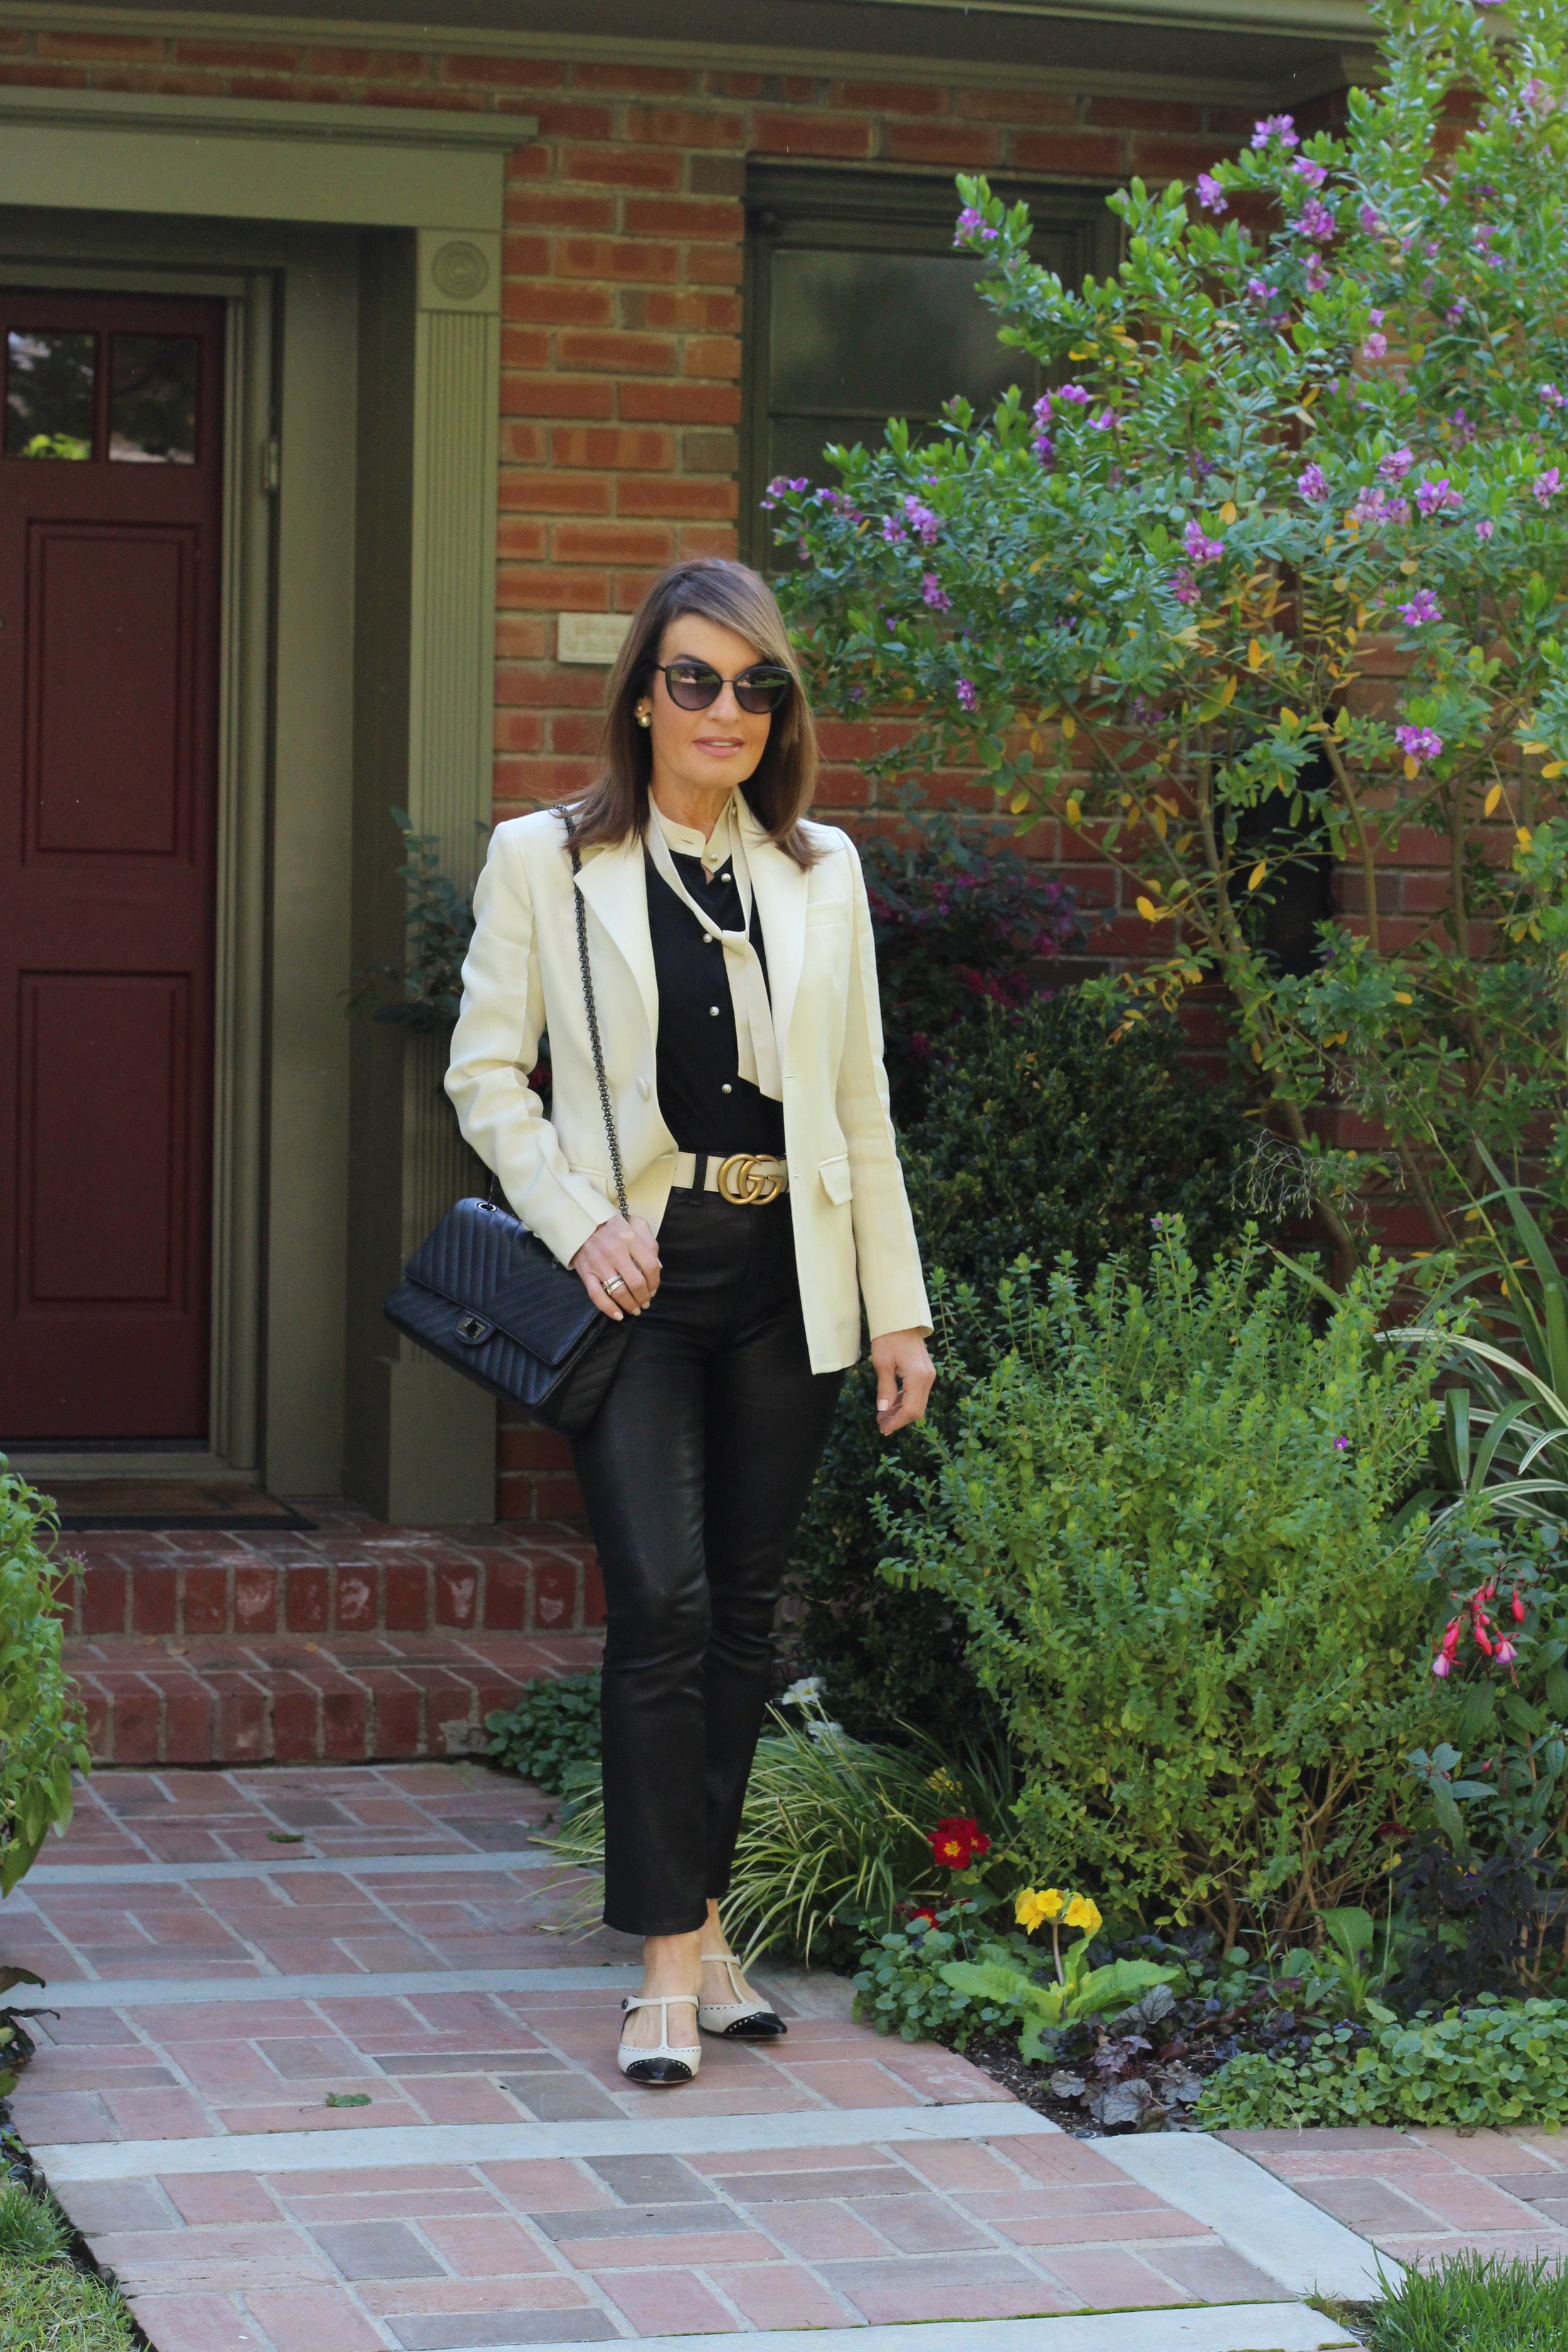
904 1377
624 1246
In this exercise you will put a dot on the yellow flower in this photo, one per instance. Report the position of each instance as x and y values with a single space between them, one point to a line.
1037 1904
1082 1913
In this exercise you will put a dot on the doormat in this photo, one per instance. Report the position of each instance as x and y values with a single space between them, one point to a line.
156 1505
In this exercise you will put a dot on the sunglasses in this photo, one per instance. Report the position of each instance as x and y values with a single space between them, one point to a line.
694 685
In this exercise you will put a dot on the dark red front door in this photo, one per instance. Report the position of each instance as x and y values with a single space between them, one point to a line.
110 515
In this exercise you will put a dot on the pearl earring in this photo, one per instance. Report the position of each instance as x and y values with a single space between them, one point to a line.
645 719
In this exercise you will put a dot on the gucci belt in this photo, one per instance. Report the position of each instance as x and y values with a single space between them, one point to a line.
747 1180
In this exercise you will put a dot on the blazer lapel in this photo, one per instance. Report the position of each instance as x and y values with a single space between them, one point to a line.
613 882
780 888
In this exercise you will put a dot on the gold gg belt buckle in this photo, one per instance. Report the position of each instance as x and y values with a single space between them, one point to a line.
747 1180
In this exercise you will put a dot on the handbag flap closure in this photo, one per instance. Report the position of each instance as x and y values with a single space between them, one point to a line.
489 1265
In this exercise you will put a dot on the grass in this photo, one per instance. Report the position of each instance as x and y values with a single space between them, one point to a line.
1474 2305
46 2304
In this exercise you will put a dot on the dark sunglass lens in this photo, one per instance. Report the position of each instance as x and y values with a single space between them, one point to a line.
761 689
692 685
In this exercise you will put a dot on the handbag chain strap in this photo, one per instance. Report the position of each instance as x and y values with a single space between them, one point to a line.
593 1013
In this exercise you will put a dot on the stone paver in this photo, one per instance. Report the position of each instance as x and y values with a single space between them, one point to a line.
592 2239
1423 2197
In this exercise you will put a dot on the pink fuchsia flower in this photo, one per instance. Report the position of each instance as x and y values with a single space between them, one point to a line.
1375 346
1419 743
933 593
968 696
1484 528
1516 1607
1211 196
1200 548
1276 126
1422 608
1442 1665
1504 1653
1547 485
923 521
1437 495
1395 466
1315 220
1313 483
1184 587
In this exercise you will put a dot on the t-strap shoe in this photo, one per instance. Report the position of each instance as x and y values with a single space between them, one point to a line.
737 2019
663 2062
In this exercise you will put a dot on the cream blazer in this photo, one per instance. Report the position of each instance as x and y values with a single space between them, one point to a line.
853 1234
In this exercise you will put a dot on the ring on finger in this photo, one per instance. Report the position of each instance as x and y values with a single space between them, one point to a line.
614 1283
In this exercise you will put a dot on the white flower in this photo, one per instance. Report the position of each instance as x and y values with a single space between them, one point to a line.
820 1728
804 1693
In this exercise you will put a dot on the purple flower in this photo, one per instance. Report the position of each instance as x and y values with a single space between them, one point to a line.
1200 548
968 698
1538 97
893 531
1418 743
1342 1445
1552 397
1437 495
1484 528
1369 220
1276 126
935 594
1313 174
1184 586
926 524
1315 220
974 229
1103 422
839 502
780 485
1547 485
1462 431
1044 448
1075 393
1423 607
1453 315
1395 466
1317 276
1211 196
1043 410
1313 483
1259 289
1375 346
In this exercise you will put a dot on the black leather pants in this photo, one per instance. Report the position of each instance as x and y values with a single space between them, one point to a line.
694 1476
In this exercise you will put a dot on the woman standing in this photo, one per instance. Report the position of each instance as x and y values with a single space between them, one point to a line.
731 947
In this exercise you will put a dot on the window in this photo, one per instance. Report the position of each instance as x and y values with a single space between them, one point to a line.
857 309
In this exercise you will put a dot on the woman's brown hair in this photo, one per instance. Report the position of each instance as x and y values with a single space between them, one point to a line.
779 789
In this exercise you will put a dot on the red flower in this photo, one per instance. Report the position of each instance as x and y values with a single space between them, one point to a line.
924 1917
1517 1605
956 1842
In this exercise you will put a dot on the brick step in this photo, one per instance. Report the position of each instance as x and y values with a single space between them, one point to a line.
370 1697
347 1575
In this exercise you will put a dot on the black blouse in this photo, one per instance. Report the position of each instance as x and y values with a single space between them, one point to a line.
707 1104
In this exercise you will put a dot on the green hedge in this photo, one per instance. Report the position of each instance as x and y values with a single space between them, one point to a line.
1043 1134
41 1732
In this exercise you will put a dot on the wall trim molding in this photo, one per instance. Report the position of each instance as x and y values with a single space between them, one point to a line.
1340 25
262 118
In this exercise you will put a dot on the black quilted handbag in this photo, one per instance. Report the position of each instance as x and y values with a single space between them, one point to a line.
487 1297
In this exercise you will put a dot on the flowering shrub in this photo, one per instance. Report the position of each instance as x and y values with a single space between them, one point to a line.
1161 606
1171 1520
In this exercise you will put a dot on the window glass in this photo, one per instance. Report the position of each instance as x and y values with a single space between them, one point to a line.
48 393
882 334
153 399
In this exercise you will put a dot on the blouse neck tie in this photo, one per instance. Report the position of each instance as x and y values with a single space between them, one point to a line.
756 1044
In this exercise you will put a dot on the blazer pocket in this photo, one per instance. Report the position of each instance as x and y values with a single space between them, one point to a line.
836 1181
827 910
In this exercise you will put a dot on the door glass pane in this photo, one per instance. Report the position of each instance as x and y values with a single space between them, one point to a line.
892 333
153 399
48 393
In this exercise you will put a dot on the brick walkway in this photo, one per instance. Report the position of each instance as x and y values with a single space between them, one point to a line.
219 1992
344 1643
1425 2196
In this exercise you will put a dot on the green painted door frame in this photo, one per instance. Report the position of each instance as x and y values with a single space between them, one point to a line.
360 250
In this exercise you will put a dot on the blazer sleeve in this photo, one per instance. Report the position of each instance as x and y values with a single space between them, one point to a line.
885 1247
495 1046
